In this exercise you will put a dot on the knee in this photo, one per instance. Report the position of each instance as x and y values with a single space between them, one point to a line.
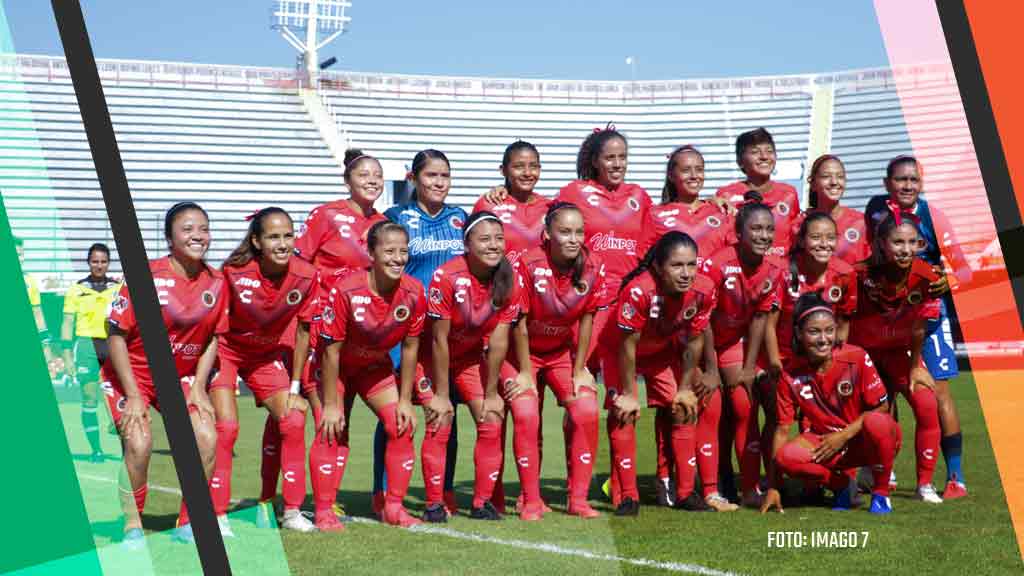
206 437
137 448
792 455
583 411
293 423
225 430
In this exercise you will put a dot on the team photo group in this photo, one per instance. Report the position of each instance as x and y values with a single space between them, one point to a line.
752 328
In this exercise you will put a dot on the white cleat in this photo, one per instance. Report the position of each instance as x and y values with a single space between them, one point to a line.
294 520
927 493
225 527
666 492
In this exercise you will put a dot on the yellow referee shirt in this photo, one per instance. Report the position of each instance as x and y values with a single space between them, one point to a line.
89 300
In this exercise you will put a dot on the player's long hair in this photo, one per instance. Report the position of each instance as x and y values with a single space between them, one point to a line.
804 303
591 149
658 254
419 161
876 261
378 230
799 246
752 138
753 202
172 214
503 278
818 163
245 251
512 149
668 191
579 264
353 158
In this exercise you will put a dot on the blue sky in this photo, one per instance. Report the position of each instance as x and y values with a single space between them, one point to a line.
577 39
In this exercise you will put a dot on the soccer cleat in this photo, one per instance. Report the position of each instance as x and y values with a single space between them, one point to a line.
435 514
485 512
519 505
692 503
892 481
927 493
954 489
880 504
379 498
720 504
582 509
265 517
751 500
665 490
326 521
225 527
843 500
134 539
606 488
183 534
628 507
531 511
396 515
295 520
451 504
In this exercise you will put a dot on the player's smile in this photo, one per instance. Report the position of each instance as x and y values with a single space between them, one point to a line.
688 174
760 160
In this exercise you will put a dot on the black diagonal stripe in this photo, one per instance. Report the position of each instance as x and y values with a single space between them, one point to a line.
987 145
125 226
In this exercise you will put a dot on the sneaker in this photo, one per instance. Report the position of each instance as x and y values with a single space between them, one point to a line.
396 515
531 511
842 500
435 514
326 521
294 520
582 509
954 489
692 503
485 512
665 492
628 507
927 493
719 503
134 539
880 504
379 498
225 526
265 517
183 534
451 504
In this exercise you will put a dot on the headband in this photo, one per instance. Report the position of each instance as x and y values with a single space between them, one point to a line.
812 310
484 218
357 159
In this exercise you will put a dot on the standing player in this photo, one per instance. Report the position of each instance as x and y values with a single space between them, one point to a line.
756 156
521 210
682 209
435 237
563 287
748 279
827 180
838 392
193 301
895 304
904 182
268 291
369 313
664 308
85 317
473 302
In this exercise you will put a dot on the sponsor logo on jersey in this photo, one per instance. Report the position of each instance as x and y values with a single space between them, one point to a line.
344 218
603 242
163 282
401 313
731 270
835 293
359 299
208 299
294 297
915 297
582 288
430 244
852 234
713 221
845 388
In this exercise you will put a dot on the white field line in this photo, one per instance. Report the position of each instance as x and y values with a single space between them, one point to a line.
682 568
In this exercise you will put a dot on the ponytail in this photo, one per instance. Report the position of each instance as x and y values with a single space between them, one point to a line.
245 251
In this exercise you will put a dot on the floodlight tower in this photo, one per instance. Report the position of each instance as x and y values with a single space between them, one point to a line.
315 18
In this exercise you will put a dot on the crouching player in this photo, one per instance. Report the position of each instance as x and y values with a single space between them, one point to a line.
838 392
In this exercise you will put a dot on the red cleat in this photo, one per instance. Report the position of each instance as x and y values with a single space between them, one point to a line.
954 489
450 503
327 521
544 505
379 499
532 511
583 510
396 515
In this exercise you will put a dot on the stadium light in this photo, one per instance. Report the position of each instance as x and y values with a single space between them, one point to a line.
631 62
314 18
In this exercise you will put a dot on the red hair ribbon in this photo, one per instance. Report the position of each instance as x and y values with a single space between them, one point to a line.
610 126
898 214
253 215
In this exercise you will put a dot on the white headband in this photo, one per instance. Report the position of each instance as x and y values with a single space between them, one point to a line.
465 233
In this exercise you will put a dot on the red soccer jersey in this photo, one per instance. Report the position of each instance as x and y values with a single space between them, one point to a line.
456 295
194 310
552 303
741 293
709 227
829 401
262 309
523 222
661 321
614 223
334 238
785 205
851 242
886 314
370 325
838 286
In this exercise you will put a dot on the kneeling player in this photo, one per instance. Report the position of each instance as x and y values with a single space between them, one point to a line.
839 394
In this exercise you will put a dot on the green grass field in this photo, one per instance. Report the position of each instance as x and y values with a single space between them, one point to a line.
973 535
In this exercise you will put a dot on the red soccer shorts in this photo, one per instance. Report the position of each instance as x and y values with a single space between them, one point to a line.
116 399
894 368
265 377
661 374
731 356
553 370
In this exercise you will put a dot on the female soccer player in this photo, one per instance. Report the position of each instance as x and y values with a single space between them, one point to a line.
748 279
827 180
563 287
473 302
193 299
682 209
269 290
521 210
664 308
371 312
895 303
435 237
85 316
756 156
838 392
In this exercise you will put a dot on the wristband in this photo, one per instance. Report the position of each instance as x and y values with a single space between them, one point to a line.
296 386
